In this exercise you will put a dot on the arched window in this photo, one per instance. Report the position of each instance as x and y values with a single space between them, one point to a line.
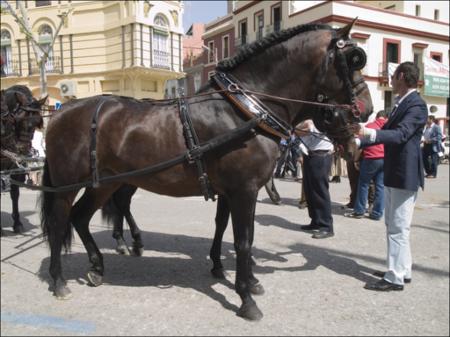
161 21
45 39
161 42
6 54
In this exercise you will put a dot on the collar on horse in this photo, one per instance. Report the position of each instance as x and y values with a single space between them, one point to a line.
251 106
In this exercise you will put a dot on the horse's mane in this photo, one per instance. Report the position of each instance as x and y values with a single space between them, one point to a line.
257 47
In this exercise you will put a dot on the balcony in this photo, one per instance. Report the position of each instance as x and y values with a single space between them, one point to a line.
161 59
276 27
259 34
384 71
10 68
52 66
240 41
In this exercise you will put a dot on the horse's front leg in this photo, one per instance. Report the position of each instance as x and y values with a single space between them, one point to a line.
222 216
14 193
242 207
123 204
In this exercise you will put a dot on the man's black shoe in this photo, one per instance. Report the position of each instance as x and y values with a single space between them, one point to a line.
322 235
381 274
383 285
308 228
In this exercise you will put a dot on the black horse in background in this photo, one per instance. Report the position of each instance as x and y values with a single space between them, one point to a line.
21 115
312 63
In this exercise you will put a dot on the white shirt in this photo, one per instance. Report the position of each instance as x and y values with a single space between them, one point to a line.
38 143
317 140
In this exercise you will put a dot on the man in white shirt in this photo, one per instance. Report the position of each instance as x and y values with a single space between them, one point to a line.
316 168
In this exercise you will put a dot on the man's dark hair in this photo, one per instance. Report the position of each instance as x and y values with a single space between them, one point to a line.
431 118
410 73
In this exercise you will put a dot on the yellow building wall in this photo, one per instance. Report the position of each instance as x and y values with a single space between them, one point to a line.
103 47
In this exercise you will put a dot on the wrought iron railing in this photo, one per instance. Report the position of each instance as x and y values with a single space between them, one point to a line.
10 68
383 71
52 66
241 41
161 59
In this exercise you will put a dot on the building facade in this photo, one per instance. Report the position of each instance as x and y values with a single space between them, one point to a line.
128 48
390 32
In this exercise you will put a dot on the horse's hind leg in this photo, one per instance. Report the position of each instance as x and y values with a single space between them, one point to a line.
80 216
56 225
242 207
222 216
123 202
14 193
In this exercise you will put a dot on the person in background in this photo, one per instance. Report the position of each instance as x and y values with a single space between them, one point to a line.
371 168
403 172
338 167
316 168
432 139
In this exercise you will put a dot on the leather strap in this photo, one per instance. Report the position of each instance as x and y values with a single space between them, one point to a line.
193 155
251 106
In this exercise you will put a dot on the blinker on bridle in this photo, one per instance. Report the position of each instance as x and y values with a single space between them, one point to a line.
350 59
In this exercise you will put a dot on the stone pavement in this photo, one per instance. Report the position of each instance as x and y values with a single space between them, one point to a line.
313 287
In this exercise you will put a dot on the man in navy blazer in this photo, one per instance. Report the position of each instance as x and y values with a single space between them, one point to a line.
403 172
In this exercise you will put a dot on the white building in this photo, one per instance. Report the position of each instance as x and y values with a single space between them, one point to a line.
389 31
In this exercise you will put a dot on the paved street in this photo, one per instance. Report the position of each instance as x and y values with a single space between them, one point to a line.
313 287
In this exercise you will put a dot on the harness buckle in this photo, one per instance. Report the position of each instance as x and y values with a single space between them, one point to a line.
194 154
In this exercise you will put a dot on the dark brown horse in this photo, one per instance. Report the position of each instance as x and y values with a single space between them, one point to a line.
302 63
21 115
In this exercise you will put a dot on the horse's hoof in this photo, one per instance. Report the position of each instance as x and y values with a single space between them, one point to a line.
95 279
218 273
138 251
62 292
123 250
257 289
250 312
18 228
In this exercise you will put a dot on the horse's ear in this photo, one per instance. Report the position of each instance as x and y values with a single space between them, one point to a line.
344 32
43 100
21 98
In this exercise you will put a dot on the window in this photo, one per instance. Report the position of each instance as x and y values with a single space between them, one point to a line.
42 3
197 81
161 42
211 52
276 18
225 46
6 57
259 25
417 10
436 14
161 21
243 32
436 56
392 53
160 50
211 74
388 100
45 41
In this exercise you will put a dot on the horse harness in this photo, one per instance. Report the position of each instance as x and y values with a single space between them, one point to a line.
252 107
246 101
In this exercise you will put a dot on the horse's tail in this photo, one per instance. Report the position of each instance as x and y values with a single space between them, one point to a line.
47 200
110 210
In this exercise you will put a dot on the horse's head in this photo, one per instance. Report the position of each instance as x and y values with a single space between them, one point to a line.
7 124
341 84
26 112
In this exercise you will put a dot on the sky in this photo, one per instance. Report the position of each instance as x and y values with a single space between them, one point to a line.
202 12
